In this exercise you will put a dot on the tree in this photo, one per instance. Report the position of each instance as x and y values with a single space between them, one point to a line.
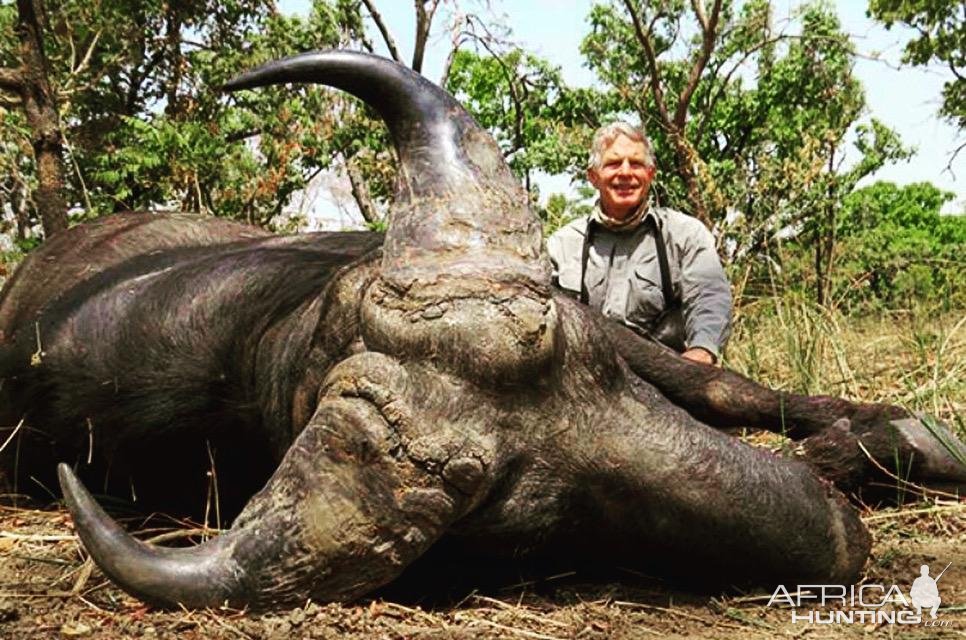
899 250
767 115
652 31
30 83
144 127
942 38
539 122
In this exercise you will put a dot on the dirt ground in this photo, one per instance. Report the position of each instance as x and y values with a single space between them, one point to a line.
49 589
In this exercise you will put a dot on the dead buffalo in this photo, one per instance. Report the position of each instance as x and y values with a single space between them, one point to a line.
395 390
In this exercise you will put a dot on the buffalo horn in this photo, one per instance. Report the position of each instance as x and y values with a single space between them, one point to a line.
458 208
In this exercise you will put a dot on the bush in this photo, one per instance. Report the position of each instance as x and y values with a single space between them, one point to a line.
893 251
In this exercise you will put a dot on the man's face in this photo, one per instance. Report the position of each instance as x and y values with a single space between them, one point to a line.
623 179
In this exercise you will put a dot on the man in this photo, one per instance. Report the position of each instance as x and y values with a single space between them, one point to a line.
612 260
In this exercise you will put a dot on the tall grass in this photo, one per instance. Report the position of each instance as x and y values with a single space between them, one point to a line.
915 358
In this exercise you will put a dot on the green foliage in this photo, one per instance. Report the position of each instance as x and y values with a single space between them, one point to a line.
914 206
559 209
377 225
146 127
896 242
8 39
769 119
539 122
896 251
941 25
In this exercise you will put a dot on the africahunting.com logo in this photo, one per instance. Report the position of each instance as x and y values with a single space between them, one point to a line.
866 603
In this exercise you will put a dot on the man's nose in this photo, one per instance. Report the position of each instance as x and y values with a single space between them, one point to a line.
625 167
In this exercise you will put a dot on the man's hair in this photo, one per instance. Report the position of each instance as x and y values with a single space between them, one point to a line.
606 135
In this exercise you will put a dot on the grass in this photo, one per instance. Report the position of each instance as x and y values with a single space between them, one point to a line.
914 358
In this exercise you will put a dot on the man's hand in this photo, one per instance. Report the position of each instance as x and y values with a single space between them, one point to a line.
697 354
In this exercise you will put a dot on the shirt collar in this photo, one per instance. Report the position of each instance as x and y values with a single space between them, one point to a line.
630 223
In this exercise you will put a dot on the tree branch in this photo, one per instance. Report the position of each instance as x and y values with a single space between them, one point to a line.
709 27
361 194
518 115
723 85
381 25
86 60
952 158
698 7
238 136
137 78
952 67
197 45
424 22
456 41
644 38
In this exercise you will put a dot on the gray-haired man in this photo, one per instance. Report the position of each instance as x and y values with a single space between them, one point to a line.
653 268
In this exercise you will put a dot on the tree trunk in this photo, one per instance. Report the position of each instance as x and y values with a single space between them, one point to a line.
825 239
424 21
40 107
686 170
360 191
21 211
173 42
819 267
676 123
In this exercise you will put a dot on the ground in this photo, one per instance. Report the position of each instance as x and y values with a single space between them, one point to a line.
49 589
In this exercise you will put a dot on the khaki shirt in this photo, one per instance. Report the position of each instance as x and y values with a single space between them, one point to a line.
623 278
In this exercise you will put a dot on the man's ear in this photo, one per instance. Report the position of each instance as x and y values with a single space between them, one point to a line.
594 178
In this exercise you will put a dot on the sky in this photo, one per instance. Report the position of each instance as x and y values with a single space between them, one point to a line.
905 98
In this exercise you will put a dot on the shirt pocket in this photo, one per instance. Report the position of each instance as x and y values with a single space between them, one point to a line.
569 276
645 301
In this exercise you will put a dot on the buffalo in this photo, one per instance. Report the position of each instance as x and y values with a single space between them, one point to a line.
363 397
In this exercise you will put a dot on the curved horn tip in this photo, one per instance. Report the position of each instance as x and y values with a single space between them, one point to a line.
79 501
195 577
90 520
297 64
70 486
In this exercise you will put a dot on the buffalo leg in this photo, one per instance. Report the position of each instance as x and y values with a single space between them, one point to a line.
913 447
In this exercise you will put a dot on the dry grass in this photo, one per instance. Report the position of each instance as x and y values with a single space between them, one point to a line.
48 587
916 359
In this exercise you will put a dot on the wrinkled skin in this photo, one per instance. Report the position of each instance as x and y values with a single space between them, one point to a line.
392 391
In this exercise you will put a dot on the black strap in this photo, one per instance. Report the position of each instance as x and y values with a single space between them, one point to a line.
588 241
666 287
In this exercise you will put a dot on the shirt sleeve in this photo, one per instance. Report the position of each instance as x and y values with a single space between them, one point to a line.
564 247
705 292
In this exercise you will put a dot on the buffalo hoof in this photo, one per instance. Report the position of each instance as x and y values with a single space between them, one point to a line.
905 453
